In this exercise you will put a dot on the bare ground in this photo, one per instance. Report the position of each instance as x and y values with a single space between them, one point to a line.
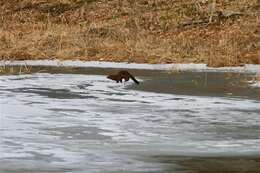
143 31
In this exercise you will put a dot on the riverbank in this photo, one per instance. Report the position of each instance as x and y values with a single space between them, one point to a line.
70 66
247 68
153 32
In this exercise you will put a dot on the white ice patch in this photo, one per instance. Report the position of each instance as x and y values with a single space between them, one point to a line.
255 84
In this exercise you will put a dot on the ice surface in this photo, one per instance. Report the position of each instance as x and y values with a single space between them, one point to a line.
63 122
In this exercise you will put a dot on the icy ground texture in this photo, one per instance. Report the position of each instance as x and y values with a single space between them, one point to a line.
72 122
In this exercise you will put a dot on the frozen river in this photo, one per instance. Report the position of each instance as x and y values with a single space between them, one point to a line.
87 123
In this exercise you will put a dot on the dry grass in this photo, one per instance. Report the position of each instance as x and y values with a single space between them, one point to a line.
133 31
15 70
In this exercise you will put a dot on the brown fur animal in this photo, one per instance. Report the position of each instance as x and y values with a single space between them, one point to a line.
122 75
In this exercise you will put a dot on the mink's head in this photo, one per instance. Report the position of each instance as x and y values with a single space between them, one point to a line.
109 77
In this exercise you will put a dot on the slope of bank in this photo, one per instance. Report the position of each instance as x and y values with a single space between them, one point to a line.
247 68
132 31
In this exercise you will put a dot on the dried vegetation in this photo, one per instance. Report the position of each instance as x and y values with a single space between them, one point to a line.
143 31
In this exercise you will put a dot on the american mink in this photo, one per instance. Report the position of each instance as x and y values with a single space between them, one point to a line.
122 75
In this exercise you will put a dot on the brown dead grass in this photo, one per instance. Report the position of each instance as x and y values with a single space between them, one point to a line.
132 31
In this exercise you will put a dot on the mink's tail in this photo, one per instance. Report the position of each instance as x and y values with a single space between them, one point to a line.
134 79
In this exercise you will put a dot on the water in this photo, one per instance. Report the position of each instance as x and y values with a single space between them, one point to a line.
87 123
